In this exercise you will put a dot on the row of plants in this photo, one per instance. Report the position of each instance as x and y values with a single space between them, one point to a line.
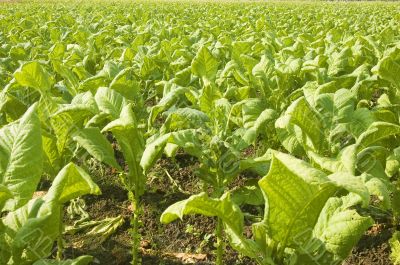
304 96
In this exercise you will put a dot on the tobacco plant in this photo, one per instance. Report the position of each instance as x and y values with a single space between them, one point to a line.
31 224
217 143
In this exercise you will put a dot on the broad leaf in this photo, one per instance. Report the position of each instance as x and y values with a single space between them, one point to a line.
376 132
21 157
32 74
110 101
302 115
337 231
395 248
186 139
295 195
223 208
71 182
205 65
97 145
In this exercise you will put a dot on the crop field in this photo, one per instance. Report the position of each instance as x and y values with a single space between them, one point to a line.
183 132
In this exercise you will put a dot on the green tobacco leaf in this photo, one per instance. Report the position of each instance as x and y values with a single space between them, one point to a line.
83 260
248 194
149 68
189 140
337 107
98 120
259 165
186 139
372 160
376 132
153 151
301 114
209 95
52 158
185 118
125 84
361 119
87 99
288 139
28 233
92 83
295 194
202 204
68 120
71 80
32 74
11 105
389 66
21 157
337 231
380 188
291 67
183 77
223 208
263 118
251 110
205 65
71 182
395 202
393 162
96 144
344 162
352 184
109 101
395 248
167 101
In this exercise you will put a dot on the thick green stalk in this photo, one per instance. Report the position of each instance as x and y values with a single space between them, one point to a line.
135 232
220 242
59 248
60 244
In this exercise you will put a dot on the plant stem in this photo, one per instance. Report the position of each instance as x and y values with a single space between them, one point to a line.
135 232
220 243
60 245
